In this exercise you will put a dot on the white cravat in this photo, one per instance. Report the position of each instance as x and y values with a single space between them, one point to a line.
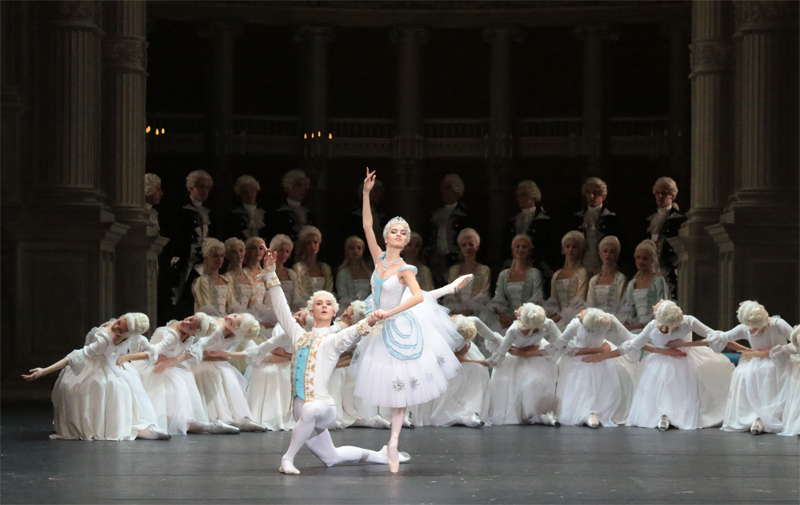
524 219
255 220
297 208
203 211
657 222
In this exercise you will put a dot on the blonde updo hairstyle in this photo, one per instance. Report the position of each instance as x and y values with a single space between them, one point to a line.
138 323
310 303
469 233
465 327
669 314
394 222
752 314
279 239
151 183
359 310
210 245
594 183
532 316
249 329
578 237
649 246
350 240
306 233
597 320
612 241
795 336
193 177
207 325
231 244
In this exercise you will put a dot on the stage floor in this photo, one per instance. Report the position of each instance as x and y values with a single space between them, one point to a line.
511 464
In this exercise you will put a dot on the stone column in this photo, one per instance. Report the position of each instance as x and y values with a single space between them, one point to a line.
315 114
712 86
66 237
595 101
407 184
219 117
123 132
679 34
500 142
758 237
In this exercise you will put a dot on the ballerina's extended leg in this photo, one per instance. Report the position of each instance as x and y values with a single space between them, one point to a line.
398 415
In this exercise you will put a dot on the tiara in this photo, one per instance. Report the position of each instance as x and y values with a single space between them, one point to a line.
398 219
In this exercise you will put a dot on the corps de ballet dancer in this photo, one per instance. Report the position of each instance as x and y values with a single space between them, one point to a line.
411 360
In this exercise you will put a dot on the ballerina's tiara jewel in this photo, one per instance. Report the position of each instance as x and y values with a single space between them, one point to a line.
398 218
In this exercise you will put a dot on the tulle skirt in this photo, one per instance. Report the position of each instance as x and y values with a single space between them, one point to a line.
101 401
388 381
222 389
342 389
175 397
758 390
791 412
467 394
604 389
522 389
691 391
270 395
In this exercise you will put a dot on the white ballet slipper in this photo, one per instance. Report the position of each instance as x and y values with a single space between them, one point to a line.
663 423
592 422
758 427
248 425
550 419
287 467
217 427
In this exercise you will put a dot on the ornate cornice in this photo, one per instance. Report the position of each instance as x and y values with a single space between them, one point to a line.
712 56
74 13
125 53
766 15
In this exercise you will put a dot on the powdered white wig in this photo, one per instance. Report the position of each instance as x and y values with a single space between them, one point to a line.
612 241
593 184
193 177
795 337
310 303
667 183
307 232
394 222
454 183
531 316
292 176
669 314
597 320
279 239
465 327
244 181
254 241
753 314
138 323
232 243
650 247
522 236
359 310
467 233
249 329
151 184
210 245
576 236
532 189
207 325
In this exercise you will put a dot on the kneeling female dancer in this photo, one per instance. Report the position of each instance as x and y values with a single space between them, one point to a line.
95 396
170 383
413 359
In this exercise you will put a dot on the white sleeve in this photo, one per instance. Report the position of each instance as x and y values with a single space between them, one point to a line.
718 340
491 339
500 355
281 308
631 349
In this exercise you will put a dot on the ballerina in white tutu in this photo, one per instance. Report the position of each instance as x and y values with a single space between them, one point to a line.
96 397
412 359
758 390
683 389
594 394
170 383
791 411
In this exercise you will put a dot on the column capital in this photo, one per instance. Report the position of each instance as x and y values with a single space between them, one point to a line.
711 56
125 53
400 32
601 30
327 33
84 15
514 33
765 15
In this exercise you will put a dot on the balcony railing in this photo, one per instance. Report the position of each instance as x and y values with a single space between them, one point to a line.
439 138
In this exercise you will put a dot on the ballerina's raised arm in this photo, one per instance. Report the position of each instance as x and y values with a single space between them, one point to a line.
366 217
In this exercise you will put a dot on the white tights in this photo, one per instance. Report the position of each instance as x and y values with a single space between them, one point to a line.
313 420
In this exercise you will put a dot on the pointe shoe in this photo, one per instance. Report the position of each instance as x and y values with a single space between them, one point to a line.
550 419
408 422
592 422
473 421
248 424
378 422
217 427
287 467
338 425
393 458
663 423
758 427
403 456
160 435
463 281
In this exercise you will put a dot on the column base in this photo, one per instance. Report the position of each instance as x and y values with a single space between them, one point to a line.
757 261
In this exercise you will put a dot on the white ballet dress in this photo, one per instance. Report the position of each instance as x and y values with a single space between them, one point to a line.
603 388
409 358
94 399
173 392
269 390
689 390
791 411
759 385
522 388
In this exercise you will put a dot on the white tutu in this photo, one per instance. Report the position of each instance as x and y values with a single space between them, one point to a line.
593 388
222 389
342 389
758 390
522 389
94 399
269 393
175 397
467 394
691 391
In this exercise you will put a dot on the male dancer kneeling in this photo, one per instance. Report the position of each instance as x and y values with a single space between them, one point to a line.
315 357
